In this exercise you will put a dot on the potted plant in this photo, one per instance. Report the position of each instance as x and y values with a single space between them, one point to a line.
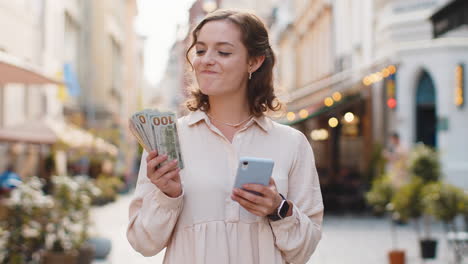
379 197
424 164
424 168
28 207
445 202
109 186
68 228
89 189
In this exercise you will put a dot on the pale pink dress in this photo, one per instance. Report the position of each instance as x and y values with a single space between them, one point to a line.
204 225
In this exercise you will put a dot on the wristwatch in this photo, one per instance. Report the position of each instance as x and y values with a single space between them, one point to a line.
281 212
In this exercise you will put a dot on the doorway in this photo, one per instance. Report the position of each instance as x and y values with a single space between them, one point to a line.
426 116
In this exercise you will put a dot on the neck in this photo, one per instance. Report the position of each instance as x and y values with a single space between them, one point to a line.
229 109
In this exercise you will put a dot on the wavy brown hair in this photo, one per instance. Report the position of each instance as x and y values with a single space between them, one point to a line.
260 91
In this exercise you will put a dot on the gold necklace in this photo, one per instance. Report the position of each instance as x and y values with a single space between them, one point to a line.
229 124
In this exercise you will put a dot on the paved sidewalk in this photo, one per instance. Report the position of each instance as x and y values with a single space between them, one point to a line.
346 239
110 221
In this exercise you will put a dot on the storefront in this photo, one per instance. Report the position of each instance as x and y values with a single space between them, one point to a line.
338 124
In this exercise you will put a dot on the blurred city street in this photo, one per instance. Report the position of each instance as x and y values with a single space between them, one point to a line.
346 239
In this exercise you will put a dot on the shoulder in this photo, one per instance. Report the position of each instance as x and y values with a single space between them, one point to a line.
280 130
184 121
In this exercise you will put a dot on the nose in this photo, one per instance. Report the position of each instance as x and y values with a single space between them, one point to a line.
208 58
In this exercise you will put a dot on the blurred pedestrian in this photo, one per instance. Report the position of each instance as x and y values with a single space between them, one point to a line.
9 180
396 155
195 212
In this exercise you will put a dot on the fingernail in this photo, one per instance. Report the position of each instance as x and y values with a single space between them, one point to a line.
175 161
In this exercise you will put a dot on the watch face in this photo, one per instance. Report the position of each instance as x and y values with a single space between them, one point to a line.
284 209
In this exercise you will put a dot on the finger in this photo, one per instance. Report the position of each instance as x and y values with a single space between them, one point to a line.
164 181
166 168
249 206
243 202
171 175
256 188
151 155
152 164
256 199
272 182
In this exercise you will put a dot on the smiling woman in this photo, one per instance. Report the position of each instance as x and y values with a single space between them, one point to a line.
196 213
243 52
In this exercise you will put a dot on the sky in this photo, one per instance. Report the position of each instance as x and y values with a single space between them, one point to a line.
158 20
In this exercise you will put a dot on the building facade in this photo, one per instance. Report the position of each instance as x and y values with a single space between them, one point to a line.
28 85
76 62
430 71
325 49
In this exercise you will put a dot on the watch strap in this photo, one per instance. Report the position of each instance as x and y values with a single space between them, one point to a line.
281 211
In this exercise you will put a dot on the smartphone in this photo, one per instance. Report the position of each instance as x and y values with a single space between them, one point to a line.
253 170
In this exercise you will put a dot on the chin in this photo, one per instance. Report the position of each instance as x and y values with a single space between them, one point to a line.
209 89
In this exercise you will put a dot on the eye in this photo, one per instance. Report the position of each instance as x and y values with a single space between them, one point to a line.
200 52
224 54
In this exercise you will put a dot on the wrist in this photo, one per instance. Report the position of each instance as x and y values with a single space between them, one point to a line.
282 211
174 194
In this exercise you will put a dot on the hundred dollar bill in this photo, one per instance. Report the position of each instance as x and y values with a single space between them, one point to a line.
141 122
156 130
164 133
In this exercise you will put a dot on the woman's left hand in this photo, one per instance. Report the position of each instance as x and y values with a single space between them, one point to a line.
261 205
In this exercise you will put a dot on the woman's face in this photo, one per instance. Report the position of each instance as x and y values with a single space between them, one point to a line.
221 59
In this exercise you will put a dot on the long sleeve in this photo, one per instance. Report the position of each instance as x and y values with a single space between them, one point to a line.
297 236
152 215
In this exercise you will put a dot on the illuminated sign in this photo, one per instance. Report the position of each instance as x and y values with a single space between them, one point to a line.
459 85
391 92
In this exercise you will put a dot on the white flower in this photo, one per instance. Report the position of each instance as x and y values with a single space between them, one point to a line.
85 199
35 183
15 197
50 240
29 232
50 228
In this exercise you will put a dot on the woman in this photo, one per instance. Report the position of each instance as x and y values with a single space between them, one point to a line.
195 212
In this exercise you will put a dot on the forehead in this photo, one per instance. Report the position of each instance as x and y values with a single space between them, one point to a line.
220 31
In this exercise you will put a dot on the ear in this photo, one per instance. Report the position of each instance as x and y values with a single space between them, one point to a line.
255 63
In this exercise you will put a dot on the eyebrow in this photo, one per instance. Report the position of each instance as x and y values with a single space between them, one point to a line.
217 43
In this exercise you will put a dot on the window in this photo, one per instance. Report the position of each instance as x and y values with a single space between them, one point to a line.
71 41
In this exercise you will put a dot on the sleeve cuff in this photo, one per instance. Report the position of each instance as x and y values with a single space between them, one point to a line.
287 222
165 201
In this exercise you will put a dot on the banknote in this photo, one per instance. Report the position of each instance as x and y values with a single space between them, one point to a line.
155 130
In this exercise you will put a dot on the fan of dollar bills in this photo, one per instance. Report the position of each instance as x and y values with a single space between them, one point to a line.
156 130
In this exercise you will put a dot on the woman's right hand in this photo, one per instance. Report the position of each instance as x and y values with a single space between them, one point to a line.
167 177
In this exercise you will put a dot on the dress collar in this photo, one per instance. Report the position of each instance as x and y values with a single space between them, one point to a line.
263 121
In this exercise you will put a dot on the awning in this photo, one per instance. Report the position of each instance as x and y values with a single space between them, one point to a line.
319 109
35 132
51 132
13 70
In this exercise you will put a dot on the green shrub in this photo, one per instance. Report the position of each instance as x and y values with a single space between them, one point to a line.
380 194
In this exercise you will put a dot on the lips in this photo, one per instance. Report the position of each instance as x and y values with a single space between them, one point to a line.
208 72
